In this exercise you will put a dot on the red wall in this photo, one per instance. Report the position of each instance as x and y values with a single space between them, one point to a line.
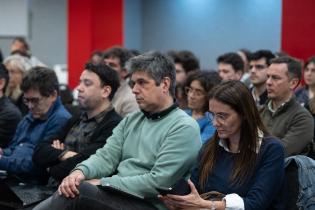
298 28
92 25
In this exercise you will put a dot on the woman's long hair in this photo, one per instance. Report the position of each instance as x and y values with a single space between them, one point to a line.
236 95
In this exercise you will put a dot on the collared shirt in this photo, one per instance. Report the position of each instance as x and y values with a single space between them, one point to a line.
80 134
223 143
274 110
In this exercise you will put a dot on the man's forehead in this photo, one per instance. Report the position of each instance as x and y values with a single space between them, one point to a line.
279 67
227 66
140 75
33 92
260 60
112 59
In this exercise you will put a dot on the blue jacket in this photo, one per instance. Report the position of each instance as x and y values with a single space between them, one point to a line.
306 174
17 157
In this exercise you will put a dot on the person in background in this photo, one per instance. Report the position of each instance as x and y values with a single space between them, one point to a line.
185 62
198 86
304 94
258 65
86 133
148 149
96 57
124 100
19 46
283 116
230 66
245 55
242 161
17 66
10 116
46 118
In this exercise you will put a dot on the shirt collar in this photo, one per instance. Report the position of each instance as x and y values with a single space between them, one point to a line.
161 114
223 143
99 117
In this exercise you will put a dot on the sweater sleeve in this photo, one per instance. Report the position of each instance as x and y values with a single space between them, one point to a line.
268 180
299 133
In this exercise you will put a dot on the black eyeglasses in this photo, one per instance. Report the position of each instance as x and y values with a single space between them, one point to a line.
34 100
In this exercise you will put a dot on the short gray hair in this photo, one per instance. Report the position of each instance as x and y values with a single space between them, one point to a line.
157 65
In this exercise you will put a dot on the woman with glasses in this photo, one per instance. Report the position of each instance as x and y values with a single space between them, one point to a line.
241 161
198 86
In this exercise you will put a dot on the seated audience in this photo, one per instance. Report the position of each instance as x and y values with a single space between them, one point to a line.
198 85
17 66
83 135
124 100
148 149
303 95
258 65
241 161
46 118
284 117
230 66
10 116
185 62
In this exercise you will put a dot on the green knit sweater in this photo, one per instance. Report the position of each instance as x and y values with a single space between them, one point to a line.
146 154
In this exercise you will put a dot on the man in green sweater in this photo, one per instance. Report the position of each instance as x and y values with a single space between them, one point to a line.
148 150
283 115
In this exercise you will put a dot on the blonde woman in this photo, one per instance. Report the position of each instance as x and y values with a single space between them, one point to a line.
17 67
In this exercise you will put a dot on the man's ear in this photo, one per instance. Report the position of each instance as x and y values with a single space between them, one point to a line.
54 94
239 74
294 82
124 72
106 91
166 83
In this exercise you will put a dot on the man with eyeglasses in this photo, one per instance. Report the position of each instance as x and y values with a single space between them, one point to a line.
45 119
258 65
148 150
10 115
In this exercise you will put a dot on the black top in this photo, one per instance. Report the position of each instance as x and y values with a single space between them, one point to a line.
10 116
46 156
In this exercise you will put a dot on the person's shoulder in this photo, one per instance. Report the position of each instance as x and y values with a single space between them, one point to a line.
273 144
111 115
10 110
182 118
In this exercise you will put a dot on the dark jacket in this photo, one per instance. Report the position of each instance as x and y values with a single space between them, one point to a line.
45 156
10 116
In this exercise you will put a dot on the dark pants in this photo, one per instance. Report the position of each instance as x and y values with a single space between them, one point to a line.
93 198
